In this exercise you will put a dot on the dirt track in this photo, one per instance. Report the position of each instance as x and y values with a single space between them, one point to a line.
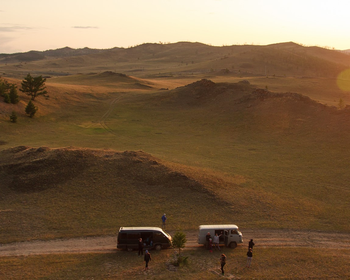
107 244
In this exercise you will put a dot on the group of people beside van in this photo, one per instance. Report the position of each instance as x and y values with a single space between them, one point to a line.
147 256
215 241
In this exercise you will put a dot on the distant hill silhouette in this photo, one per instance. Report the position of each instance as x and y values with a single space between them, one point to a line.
184 58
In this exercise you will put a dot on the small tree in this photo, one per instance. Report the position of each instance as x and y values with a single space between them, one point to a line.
13 94
31 109
13 117
179 240
33 86
7 98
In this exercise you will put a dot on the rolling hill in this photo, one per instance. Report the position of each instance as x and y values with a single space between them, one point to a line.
182 59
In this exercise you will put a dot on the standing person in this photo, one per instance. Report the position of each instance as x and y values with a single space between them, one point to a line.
163 220
140 247
210 245
223 262
216 241
207 237
249 257
147 258
251 244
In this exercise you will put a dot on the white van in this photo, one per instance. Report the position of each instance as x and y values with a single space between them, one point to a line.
230 235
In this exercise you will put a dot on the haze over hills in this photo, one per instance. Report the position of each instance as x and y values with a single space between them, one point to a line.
182 59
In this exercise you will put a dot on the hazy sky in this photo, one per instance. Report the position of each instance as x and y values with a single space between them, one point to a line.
49 24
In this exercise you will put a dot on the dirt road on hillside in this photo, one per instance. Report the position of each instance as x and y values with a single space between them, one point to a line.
107 244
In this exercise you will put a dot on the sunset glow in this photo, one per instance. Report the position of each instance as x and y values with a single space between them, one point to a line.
41 25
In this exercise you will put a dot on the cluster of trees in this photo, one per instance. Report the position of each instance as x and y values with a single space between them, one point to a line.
32 86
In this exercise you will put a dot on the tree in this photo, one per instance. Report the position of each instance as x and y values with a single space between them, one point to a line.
31 109
179 240
13 117
4 87
33 86
13 94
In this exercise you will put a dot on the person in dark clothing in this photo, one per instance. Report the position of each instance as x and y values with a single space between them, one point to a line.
147 258
223 262
163 221
140 247
207 237
251 244
249 257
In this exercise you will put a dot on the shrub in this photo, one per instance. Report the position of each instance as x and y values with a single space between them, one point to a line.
6 98
13 117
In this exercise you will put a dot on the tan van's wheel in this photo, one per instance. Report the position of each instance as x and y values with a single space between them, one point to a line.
233 245
158 247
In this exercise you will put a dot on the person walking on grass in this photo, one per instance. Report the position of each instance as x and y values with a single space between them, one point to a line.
147 258
249 257
222 262
251 244
140 247
163 220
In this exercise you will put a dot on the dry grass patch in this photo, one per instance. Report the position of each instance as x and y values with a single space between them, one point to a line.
268 263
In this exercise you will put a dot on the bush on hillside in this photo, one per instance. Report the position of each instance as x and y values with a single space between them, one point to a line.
6 98
13 117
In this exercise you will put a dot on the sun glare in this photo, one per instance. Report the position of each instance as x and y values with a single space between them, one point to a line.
343 80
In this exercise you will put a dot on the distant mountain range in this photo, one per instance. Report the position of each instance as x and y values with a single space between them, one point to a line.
182 58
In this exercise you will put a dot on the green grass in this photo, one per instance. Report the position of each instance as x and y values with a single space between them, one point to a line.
293 176
267 263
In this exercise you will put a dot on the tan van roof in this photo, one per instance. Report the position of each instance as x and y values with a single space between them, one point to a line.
140 228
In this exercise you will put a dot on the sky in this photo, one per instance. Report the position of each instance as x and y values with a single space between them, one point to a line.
51 24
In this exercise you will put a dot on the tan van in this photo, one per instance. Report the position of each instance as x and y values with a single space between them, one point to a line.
230 234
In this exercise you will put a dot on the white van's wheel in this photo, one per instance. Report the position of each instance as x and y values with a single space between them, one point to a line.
233 245
158 247
129 249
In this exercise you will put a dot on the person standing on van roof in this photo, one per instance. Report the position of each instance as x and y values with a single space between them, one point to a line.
251 244
223 262
140 247
249 257
163 220
147 258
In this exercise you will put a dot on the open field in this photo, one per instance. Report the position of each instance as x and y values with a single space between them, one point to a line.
267 263
265 150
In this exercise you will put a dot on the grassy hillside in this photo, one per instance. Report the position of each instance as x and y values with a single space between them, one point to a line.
223 152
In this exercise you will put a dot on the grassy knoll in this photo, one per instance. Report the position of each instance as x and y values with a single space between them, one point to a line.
268 263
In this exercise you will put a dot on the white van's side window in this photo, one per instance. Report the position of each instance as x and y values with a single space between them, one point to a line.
233 231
